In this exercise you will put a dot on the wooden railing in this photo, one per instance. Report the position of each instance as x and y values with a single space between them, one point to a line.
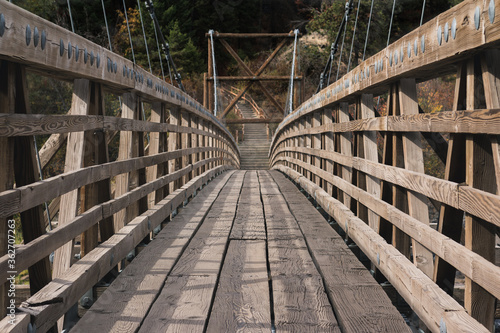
367 170
183 154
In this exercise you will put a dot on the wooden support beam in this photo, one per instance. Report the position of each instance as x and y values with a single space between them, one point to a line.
345 148
257 73
414 161
253 120
451 218
249 72
172 145
316 143
156 145
253 35
256 78
370 150
480 173
74 160
96 152
185 143
6 169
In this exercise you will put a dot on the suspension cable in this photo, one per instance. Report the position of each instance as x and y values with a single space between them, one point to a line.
340 54
390 25
70 17
422 17
368 30
211 33
144 34
353 35
107 26
164 45
128 28
334 48
159 53
290 92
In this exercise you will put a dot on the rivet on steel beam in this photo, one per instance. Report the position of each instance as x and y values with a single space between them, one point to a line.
109 65
115 67
44 40
409 50
91 58
98 60
367 71
70 50
446 32
125 71
442 326
491 11
396 57
415 46
439 36
376 67
2 25
390 59
402 54
36 37
61 47
454 28
422 44
28 35
85 56
477 17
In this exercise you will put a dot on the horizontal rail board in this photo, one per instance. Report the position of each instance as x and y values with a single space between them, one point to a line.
26 197
377 72
28 254
60 52
430 302
46 306
465 260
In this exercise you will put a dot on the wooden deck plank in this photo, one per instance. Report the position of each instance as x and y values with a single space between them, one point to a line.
182 306
242 302
184 302
125 303
360 303
249 221
206 250
300 301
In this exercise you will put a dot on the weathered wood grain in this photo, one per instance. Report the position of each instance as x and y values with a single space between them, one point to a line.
133 293
360 303
399 270
58 296
242 302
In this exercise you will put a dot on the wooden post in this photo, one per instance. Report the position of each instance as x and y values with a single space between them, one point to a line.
371 154
210 85
131 145
450 218
308 141
6 170
18 164
345 149
414 161
172 144
157 141
316 143
74 160
194 144
96 152
479 234
205 90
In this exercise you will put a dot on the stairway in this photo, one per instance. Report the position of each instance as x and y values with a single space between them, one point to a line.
255 146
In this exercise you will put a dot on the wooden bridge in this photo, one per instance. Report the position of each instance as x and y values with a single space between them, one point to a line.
218 249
